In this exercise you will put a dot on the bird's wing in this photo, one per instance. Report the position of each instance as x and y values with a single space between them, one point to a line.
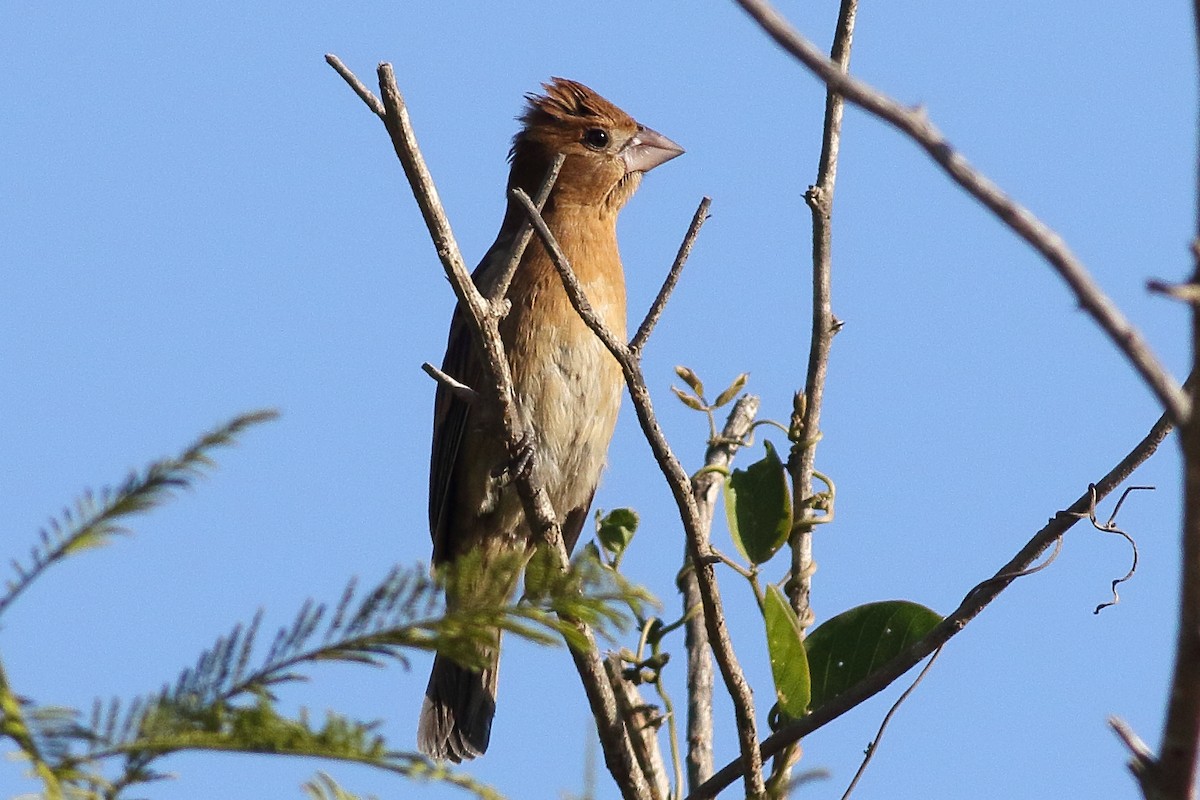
451 415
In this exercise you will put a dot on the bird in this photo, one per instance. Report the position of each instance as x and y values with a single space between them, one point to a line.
567 386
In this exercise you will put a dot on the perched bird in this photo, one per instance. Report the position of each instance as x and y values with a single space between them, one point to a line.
567 385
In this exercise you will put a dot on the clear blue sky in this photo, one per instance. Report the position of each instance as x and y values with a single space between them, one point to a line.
200 218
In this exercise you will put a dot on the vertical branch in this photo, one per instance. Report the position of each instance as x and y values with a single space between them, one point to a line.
807 414
1173 774
705 486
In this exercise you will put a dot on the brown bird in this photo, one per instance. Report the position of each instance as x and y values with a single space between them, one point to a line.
567 385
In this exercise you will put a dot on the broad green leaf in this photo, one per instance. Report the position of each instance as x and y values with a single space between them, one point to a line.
616 528
758 507
847 648
789 662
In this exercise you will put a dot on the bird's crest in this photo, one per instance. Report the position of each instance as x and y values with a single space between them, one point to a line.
566 98
566 103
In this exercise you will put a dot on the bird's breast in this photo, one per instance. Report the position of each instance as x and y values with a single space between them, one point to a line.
567 384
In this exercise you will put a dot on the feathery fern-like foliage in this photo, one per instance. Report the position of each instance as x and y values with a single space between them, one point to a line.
95 520
226 701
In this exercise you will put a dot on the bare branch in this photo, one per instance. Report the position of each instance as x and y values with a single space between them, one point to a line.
456 387
1141 758
807 419
361 90
660 302
915 124
974 602
1174 773
681 488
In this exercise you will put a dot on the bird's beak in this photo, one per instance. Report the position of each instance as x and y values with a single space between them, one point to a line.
647 149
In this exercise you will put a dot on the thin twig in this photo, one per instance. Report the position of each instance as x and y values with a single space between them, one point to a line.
361 90
539 512
681 489
1174 773
974 602
524 234
1141 760
454 386
706 486
916 125
660 302
874 746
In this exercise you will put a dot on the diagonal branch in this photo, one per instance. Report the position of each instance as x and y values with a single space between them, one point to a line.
638 342
972 604
699 549
484 324
916 125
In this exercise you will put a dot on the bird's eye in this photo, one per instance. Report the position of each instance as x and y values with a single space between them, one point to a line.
595 138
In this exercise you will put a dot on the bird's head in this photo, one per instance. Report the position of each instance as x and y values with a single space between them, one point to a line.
606 150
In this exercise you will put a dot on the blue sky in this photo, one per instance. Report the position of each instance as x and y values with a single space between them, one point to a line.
200 219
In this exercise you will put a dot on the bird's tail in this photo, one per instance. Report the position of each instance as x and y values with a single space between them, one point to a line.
456 717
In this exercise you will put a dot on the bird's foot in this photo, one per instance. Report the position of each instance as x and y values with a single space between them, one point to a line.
518 467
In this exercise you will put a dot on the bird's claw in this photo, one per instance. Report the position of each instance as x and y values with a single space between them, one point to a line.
519 467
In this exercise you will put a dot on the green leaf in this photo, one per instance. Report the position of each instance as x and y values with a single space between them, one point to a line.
789 661
847 648
616 528
758 507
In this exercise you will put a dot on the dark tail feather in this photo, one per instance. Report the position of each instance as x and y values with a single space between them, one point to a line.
456 717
